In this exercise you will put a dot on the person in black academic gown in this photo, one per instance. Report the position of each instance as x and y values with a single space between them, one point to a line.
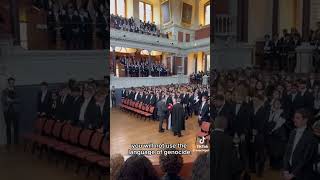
178 118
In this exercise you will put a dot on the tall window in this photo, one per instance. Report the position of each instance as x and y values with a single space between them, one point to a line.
118 7
207 14
145 12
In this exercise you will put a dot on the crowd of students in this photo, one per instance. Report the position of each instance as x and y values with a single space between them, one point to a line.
267 117
76 25
193 98
81 104
280 54
197 77
129 24
170 165
139 67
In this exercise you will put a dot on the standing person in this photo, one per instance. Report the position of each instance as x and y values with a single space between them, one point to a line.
177 118
222 147
204 111
300 149
43 99
277 137
162 112
113 97
258 133
316 162
11 115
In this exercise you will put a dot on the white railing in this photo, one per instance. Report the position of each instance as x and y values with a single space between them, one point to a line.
225 25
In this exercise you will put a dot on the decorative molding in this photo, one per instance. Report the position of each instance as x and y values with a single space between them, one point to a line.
134 40
127 82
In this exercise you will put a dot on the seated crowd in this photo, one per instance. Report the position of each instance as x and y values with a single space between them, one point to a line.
76 24
140 67
129 24
83 104
171 168
279 52
264 112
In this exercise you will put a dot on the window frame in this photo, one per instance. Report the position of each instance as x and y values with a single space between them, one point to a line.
205 11
144 11
116 7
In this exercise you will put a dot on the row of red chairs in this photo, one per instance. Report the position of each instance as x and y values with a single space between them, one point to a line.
86 145
138 107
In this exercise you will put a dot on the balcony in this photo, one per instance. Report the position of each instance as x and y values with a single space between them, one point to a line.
225 25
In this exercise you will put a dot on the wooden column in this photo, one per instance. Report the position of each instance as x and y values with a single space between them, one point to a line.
275 17
242 22
14 13
306 19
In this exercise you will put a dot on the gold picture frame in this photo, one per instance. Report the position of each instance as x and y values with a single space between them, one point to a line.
186 13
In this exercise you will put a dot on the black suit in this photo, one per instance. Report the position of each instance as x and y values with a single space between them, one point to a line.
241 120
204 112
90 114
44 106
162 112
221 155
75 109
301 166
257 147
305 100
226 111
63 108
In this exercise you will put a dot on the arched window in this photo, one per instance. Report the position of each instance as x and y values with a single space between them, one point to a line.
118 7
145 12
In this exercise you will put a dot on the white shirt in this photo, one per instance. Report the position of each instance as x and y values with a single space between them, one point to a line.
135 97
302 92
43 95
299 133
83 108
238 106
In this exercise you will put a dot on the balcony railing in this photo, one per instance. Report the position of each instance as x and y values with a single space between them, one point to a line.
225 25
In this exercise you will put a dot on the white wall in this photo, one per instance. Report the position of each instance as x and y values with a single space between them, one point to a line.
232 57
33 67
127 82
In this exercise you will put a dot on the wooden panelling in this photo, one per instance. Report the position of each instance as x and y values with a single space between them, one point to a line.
180 36
202 33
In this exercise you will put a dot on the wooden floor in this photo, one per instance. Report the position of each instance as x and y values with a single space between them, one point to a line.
18 165
127 129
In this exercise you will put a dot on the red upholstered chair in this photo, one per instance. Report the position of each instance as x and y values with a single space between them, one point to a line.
95 144
47 131
204 131
84 140
56 133
71 135
38 128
